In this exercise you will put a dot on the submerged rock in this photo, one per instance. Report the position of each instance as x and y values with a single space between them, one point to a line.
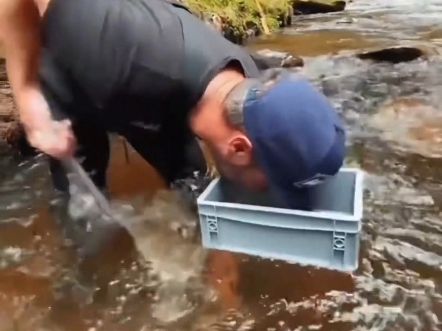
306 7
266 58
393 54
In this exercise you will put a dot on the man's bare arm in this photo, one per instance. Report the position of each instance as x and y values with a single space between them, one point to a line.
20 29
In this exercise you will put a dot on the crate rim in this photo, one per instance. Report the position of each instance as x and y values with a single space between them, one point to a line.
357 203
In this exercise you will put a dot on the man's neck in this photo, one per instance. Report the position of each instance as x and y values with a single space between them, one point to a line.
208 114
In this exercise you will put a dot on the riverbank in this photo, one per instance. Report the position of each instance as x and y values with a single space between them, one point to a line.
10 130
241 19
238 18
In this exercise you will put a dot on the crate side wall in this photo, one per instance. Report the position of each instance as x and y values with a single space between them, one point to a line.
332 249
287 220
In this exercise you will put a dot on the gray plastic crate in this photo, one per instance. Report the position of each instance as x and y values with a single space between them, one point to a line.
237 220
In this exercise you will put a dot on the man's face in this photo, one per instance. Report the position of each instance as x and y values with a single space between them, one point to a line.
251 177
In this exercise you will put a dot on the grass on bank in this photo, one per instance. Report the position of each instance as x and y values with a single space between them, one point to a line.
242 14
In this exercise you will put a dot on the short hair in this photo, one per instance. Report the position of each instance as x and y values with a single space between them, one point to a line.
234 102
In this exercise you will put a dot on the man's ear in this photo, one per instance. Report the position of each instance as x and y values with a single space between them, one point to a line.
239 151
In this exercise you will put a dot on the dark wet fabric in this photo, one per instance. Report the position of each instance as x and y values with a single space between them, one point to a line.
135 68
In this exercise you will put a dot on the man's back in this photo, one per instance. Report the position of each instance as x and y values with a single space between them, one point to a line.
112 47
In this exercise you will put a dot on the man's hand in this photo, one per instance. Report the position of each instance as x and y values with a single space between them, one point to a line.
54 138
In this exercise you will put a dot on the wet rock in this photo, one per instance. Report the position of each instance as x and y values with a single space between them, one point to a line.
404 254
393 54
266 58
305 7
431 223
427 241
292 62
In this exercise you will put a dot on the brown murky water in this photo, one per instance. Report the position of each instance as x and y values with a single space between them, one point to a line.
394 119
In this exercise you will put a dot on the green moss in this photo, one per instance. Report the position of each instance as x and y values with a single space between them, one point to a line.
241 14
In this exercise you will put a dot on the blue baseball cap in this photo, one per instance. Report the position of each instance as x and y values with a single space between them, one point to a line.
298 139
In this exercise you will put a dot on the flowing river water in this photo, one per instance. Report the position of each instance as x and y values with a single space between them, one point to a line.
394 119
